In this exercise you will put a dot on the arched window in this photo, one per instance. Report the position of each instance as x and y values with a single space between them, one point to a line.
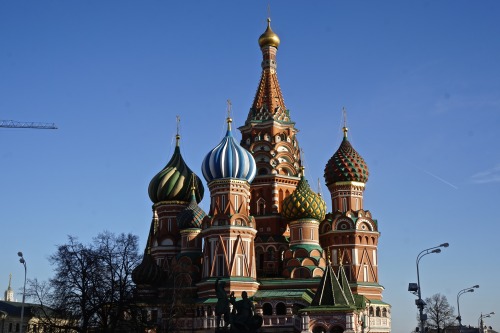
280 309
377 312
17 327
267 309
371 311
384 312
319 329
261 207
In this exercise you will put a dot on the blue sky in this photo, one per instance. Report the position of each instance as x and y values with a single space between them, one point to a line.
420 81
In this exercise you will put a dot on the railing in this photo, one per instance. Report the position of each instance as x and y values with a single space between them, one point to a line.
282 320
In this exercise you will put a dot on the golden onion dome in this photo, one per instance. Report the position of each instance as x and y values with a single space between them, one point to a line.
304 203
269 38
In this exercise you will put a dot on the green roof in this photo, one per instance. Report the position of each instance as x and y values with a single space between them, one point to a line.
334 308
298 294
377 302
289 282
307 247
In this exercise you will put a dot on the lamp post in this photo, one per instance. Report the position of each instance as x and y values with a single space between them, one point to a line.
416 287
460 293
22 261
480 321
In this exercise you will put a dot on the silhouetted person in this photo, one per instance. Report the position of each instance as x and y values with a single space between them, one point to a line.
222 306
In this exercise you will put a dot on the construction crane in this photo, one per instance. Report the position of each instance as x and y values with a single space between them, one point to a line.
25 124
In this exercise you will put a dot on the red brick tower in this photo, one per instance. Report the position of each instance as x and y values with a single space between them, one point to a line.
229 233
350 234
270 136
170 192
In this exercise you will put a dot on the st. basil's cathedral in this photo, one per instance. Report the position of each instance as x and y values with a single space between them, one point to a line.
267 233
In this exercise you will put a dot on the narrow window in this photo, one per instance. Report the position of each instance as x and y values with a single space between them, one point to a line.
239 265
223 203
261 207
154 316
206 266
365 273
300 233
220 265
280 309
236 203
267 309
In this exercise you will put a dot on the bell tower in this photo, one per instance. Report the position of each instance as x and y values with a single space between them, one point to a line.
270 136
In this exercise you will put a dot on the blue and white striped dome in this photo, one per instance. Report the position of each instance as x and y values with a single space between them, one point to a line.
228 160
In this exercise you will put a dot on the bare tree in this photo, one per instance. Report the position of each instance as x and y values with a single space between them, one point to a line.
439 312
92 287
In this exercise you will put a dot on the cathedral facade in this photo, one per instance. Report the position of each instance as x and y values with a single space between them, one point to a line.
267 233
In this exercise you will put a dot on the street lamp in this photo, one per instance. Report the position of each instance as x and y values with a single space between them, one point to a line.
480 321
460 293
22 261
416 288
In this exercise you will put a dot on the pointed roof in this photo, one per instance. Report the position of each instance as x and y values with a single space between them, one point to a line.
268 102
345 285
330 292
147 272
192 216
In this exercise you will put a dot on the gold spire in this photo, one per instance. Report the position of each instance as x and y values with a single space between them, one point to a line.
269 38
229 120
345 129
177 136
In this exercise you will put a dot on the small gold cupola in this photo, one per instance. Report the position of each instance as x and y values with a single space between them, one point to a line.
269 38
